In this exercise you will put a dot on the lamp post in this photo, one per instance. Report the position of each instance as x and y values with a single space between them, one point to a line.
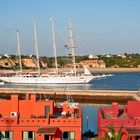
87 122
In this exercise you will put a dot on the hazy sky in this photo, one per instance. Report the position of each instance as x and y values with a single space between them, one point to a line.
100 26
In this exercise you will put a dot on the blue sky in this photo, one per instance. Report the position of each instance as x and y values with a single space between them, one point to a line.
100 26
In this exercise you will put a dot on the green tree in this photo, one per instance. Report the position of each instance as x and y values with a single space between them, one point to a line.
112 134
89 134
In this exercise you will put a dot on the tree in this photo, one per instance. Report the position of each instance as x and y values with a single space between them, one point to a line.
112 134
89 134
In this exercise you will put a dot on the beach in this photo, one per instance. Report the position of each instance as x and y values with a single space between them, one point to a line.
108 70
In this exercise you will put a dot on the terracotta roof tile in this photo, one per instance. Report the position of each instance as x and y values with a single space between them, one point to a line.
47 130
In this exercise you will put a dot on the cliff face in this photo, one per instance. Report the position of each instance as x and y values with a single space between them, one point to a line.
6 62
27 62
93 63
31 63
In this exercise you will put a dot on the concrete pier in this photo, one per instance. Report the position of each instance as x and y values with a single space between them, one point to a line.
81 96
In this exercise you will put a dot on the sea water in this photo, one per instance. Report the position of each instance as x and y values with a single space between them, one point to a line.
119 81
90 117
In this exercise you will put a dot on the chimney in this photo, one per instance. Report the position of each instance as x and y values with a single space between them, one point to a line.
115 110
14 98
65 107
33 98
27 96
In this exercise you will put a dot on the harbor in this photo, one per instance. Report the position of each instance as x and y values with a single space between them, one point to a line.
83 97
70 70
105 91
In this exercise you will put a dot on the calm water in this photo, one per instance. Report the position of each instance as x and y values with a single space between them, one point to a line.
90 117
120 81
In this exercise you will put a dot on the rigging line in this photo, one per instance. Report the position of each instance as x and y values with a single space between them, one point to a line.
86 44
60 34
74 36
87 48
65 88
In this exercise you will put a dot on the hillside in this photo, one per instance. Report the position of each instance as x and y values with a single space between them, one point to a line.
101 61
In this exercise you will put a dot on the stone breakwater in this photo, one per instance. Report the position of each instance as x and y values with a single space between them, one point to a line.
83 97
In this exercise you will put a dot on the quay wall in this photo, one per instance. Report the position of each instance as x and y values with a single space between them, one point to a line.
81 96
78 70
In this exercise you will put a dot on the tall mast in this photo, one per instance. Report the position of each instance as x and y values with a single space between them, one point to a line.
19 51
54 45
36 48
72 47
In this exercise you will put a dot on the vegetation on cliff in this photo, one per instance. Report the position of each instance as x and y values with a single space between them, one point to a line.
124 61
114 61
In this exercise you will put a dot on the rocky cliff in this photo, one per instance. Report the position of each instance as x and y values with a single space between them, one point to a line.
26 62
31 63
7 62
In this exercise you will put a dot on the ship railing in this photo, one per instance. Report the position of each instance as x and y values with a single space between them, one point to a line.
7 139
28 138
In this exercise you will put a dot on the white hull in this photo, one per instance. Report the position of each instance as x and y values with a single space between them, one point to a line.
58 79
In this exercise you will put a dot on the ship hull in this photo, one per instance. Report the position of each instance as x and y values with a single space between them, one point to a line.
47 80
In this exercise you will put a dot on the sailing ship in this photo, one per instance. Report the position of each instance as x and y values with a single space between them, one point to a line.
57 78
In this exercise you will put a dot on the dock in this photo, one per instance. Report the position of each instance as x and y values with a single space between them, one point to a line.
81 96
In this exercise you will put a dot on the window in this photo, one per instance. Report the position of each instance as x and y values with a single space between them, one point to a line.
28 135
8 135
68 136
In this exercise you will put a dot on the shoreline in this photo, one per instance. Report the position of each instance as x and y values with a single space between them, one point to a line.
79 70
115 69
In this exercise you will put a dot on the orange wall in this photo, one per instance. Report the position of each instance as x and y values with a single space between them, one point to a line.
133 108
5 107
25 107
28 107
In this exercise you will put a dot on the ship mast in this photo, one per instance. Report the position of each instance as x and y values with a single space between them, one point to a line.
72 47
54 45
19 51
36 48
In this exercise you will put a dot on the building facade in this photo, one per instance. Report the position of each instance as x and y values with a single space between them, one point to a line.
125 117
33 119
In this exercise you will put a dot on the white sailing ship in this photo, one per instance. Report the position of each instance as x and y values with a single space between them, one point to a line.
63 78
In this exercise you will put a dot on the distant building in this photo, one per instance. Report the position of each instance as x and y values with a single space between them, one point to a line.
108 55
6 55
92 56
31 119
127 117
122 56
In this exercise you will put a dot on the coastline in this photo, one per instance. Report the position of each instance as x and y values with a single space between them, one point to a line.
115 69
108 70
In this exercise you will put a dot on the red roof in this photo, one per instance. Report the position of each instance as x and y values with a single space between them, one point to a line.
47 130
133 131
